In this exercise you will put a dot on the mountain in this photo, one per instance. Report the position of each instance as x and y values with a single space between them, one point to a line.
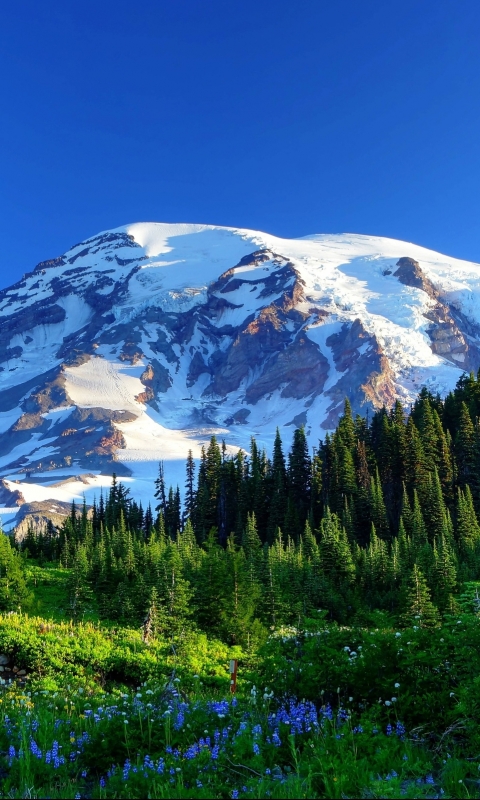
139 343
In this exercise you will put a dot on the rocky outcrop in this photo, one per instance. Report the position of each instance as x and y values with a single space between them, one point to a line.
51 395
367 380
450 331
446 338
410 273
10 497
36 515
261 340
197 367
300 370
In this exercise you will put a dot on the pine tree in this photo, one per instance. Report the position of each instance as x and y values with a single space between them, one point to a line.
278 483
190 487
445 572
346 427
467 531
419 609
80 593
378 511
415 464
160 493
299 478
465 447
13 587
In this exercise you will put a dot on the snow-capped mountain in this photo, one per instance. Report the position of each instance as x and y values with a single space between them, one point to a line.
139 343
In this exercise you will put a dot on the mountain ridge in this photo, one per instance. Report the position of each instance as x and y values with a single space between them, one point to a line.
140 342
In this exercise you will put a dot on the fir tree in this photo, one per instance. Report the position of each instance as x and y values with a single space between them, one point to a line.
419 609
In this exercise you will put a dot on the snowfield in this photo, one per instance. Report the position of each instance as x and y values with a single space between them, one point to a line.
169 268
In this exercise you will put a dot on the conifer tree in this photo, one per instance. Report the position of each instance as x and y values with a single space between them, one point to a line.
278 483
415 466
445 573
190 487
346 427
13 587
299 477
160 491
465 446
419 609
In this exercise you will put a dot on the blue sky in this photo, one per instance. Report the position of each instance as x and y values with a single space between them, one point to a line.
294 118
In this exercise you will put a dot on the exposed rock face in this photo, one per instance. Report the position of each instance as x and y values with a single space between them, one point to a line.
36 515
359 356
447 339
300 369
450 330
8 497
131 335
410 273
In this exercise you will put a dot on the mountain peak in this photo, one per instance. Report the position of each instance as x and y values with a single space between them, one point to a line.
139 342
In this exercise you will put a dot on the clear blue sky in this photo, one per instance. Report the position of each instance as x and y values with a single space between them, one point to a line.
290 117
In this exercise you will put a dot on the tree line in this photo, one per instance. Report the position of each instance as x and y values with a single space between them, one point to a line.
381 516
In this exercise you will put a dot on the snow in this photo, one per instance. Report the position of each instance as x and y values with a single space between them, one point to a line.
172 267
105 384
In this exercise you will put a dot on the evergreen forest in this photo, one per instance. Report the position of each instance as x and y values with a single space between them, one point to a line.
382 516
343 581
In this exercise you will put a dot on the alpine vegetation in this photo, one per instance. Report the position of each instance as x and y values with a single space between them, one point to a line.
343 584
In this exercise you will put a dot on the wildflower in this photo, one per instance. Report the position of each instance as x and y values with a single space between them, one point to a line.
398 634
397 686
394 699
102 783
429 779
388 703
234 794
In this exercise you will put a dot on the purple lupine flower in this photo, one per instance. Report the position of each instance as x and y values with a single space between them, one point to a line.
34 748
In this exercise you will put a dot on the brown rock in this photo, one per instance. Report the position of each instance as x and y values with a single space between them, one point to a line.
10 498
410 273
367 379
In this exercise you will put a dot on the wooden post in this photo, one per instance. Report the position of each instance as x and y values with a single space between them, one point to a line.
233 675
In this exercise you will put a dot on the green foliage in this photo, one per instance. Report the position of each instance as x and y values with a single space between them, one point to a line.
349 577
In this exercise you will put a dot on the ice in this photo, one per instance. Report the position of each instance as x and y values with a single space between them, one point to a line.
105 384
172 268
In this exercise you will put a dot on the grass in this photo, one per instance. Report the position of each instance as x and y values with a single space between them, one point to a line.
107 715
326 711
